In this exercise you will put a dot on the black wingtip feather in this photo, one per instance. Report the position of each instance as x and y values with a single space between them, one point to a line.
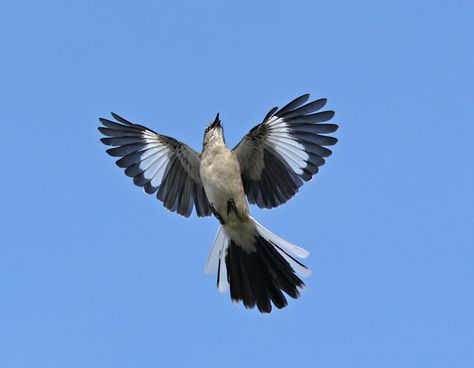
129 123
331 141
293 104
270 114
111 152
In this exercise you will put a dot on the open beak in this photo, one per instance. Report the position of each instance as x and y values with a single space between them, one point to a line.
216 123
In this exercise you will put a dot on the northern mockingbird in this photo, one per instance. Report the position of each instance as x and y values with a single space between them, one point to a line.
268 167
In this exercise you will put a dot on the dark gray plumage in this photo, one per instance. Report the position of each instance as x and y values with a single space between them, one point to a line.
286 149
159 164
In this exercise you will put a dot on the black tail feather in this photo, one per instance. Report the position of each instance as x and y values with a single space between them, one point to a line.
259 277
283 273
233 273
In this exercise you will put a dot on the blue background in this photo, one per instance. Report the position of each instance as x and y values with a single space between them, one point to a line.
94 273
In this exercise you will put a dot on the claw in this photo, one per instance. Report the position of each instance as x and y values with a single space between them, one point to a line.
216 214
232 207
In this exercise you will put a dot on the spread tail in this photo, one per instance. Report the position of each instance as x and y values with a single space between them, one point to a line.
257 273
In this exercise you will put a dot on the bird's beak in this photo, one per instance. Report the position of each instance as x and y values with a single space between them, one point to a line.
216 123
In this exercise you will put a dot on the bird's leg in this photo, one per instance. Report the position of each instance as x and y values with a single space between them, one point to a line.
216 214
232 207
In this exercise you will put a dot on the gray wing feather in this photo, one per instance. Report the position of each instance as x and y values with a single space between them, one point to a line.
158 163
287 149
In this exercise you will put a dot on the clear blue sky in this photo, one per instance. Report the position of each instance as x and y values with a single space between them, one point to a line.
94 273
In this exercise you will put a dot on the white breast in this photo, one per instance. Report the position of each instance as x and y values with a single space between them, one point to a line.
221 178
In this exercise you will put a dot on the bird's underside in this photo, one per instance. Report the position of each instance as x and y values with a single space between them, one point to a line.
268 167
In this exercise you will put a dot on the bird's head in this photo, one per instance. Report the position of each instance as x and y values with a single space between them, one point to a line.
214 133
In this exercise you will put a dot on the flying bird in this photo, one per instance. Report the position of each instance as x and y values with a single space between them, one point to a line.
267 167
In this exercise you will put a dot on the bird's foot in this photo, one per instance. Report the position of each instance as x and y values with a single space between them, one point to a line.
232 207
216 214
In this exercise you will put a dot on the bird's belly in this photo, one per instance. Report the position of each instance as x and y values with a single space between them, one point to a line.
222 182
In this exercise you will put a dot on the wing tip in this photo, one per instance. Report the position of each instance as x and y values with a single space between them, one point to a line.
106 141
331 113
112 152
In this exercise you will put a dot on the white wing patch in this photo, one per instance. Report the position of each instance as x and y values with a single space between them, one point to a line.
280 140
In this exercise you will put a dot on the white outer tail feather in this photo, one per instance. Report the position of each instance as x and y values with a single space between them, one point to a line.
216 259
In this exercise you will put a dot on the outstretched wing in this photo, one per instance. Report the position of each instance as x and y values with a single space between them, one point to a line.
157 163
285 150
